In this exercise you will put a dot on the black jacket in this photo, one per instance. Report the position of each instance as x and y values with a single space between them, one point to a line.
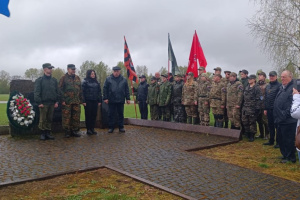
91 90
271 92
142 91
116 89
46 90
282 105
177 93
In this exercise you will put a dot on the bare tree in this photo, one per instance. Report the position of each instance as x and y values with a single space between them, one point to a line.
141 70
276 25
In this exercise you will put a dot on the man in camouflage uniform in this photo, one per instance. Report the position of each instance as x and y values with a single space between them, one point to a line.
153 91
234 93
217 100
203 99
244 80
262 119
252 107
179 112
164 97
71 98
225 81
200 71
190 97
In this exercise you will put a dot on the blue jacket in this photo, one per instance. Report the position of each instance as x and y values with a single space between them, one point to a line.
283 104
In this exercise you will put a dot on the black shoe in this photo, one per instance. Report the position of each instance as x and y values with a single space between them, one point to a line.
284 161
121 130
89 132
75 134
94 132
49 136
110 130
276 146
67 134
43 135
251 139
268 143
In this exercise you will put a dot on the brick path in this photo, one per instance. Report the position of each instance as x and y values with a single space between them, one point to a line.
153 154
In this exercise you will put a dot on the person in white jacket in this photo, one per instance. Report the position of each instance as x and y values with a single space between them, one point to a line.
295 111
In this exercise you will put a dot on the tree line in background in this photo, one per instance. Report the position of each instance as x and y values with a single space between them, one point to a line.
103 70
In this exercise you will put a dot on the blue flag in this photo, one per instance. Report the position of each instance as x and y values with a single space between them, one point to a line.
4 8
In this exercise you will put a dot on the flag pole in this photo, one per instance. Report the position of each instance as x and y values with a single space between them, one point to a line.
168 58
133 99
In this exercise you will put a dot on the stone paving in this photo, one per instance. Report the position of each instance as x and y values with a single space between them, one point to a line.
156 155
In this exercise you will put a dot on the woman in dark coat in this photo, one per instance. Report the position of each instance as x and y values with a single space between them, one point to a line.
92 98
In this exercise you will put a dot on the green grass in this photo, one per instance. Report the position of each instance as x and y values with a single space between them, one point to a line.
4 97
3 116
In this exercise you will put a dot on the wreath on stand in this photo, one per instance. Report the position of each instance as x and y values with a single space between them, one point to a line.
20 111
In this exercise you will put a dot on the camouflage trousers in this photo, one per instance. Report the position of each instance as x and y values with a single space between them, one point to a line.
191 110
179 114
249 122
165 112
203 109
71 117
154 112
46 115
234 115
217 110
262 121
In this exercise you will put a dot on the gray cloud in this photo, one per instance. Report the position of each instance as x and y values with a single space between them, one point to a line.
72 31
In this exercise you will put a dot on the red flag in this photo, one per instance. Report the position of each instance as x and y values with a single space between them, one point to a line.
196 54
128 64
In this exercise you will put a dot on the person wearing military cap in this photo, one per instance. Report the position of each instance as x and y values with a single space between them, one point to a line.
115 91
262 119
217 100
152 98
225 81
164 97
234 93
142 93
272 90
178 108
201 70
190 98
46 95
244 80
203 99
71 98
218 70
251 107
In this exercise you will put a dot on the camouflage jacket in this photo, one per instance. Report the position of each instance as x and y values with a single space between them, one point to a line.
177 93
70 89
164 96
252 101
190 93
262 85
152 96
234 94
204 89
217 95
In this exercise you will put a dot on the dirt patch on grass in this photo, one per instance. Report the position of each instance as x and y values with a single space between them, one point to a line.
256 156
98 184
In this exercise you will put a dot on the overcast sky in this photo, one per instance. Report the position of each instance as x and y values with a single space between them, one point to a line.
73 31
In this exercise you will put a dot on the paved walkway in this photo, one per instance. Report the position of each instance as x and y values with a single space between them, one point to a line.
153 154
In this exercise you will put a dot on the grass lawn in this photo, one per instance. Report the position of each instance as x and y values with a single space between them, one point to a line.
99 184
3 116
4 97
256 156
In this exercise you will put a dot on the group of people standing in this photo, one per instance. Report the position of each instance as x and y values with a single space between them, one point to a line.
70 92
244 102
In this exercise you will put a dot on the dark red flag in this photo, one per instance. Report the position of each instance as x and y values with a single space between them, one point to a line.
128 64
196 54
